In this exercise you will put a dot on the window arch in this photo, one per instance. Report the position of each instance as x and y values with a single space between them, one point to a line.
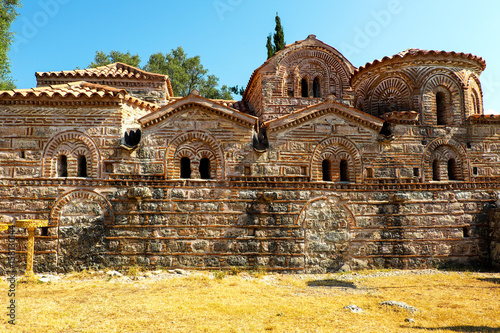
204 168
316 87
71 144
62 166
326 168
442 99
185 167
476 105
344 170
445 159
194 145
304 87
335 149
82 166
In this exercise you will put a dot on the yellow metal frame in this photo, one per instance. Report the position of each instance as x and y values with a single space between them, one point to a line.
29 275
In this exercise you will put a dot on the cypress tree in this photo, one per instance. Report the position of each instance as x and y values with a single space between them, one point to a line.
279 36
270 47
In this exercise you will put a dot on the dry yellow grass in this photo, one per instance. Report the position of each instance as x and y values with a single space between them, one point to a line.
447 302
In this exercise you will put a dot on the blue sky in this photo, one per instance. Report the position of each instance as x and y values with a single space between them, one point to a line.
230 35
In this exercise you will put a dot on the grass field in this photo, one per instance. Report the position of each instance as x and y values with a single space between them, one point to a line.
257 302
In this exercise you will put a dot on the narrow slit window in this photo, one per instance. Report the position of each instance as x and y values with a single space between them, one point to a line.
62 166
205 168
304 88
185 168
476 106
441 108
369 172
452 169
435 170
416 172
82 166
44 231
327 170
344 171
316 88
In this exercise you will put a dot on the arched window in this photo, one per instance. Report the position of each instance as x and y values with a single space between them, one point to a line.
304 86
452 169
476 107
327 170
316 88
62 166
185 167
205 168
82 166
344 171
435 170
441 108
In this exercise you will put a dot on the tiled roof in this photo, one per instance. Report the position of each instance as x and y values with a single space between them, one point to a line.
317 110
401 117
484 118
237 105
219 107
414 53
73 91
115 70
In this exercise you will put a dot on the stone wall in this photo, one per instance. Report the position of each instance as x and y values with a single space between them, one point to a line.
494 216
280 226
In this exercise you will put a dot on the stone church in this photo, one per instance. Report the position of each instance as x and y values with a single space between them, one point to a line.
321 166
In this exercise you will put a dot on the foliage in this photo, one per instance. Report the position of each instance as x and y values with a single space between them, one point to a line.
103 59
278 38
279 35
7 15
270 46
186 74
237 90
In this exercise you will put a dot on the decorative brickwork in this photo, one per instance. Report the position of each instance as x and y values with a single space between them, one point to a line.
322 166
195 146
71 144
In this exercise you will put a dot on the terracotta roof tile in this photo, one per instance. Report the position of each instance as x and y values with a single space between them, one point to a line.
216 106
73 90
116 70
413 53
401 117
484 118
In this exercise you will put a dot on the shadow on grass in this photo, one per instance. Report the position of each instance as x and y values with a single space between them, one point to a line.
492 280
331 283
464 329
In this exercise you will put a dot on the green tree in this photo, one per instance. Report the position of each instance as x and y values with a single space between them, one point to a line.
278 38
279 35
7 15
103 59
270 46
186 74
237 90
